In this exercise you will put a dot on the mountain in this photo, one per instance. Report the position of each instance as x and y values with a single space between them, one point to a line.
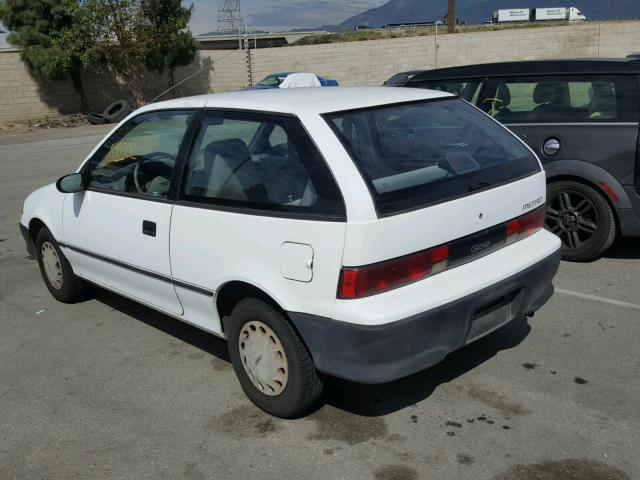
477 11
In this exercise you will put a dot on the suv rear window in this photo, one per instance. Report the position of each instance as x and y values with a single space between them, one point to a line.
417 154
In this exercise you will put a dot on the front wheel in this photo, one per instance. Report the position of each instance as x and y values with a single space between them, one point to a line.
582 218
271 362
56 271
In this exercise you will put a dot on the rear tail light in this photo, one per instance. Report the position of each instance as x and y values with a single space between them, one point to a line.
363 281
527 224
358 282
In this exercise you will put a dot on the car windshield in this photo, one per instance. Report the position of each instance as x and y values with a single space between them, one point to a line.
273 80
417 154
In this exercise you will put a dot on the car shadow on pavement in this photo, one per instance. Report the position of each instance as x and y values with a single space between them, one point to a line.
376 400
624 248
182 331
355 398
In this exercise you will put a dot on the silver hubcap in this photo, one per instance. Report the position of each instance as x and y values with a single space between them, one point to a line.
51 263
263 358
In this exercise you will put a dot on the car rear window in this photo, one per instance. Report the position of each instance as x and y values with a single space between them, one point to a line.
413 155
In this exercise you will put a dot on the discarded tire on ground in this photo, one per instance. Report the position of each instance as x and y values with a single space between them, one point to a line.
96 119
117 111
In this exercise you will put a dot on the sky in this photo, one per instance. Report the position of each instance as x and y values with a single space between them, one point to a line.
273 15
281 14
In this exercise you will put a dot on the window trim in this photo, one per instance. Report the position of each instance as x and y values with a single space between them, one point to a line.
171 196
183 199
370 186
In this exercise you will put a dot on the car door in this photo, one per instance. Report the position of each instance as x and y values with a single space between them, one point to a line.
258 205
116 232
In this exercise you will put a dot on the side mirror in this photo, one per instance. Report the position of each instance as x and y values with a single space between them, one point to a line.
71 183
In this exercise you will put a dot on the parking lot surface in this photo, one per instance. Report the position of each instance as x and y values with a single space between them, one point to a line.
109 389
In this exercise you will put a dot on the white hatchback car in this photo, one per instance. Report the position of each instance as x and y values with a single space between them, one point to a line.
362 233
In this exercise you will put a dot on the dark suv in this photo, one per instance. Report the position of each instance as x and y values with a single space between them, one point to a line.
581 117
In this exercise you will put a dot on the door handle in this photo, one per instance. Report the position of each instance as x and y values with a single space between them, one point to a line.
149 228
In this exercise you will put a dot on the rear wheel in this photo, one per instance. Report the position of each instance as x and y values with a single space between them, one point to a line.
56 271
271 362
582 218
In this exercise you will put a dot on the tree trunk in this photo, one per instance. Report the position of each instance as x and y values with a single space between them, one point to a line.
134 80
171 81
78 86
137 94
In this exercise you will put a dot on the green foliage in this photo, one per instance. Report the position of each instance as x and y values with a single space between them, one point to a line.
61 38
172 44
129 37
34 26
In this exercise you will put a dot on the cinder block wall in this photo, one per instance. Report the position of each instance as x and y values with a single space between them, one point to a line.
357 63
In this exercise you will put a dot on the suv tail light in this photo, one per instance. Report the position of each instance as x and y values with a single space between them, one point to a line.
358 282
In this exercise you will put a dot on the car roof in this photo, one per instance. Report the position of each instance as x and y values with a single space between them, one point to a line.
301 100
281 74
535 67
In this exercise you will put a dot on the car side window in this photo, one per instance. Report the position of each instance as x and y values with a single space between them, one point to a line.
278 169
140 157
561 99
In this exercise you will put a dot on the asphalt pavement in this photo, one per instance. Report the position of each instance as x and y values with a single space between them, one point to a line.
108 389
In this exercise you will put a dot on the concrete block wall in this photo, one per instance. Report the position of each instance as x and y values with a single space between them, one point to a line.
20 96
355 63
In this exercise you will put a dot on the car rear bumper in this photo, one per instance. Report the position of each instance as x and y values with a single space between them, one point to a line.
31 248
382 353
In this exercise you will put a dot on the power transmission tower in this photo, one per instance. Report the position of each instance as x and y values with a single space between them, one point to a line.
229 18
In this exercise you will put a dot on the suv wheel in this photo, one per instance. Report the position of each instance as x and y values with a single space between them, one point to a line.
56 271
271 362
582 218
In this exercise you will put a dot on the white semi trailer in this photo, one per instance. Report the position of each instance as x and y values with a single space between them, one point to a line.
571 14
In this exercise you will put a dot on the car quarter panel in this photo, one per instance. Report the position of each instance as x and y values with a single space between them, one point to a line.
211 247
607 146
45 204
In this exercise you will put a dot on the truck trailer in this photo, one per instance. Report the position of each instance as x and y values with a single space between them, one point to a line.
571 14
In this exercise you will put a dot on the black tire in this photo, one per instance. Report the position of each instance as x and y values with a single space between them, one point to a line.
303 386
582 218
96 119
117 111
72 288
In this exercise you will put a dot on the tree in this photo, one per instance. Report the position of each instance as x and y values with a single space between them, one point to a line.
171 44
113 28
38 28
129 37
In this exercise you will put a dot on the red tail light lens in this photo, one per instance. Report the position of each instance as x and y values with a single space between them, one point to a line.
525 225
363 281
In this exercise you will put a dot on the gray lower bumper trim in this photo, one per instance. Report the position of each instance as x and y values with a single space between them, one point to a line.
382 353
